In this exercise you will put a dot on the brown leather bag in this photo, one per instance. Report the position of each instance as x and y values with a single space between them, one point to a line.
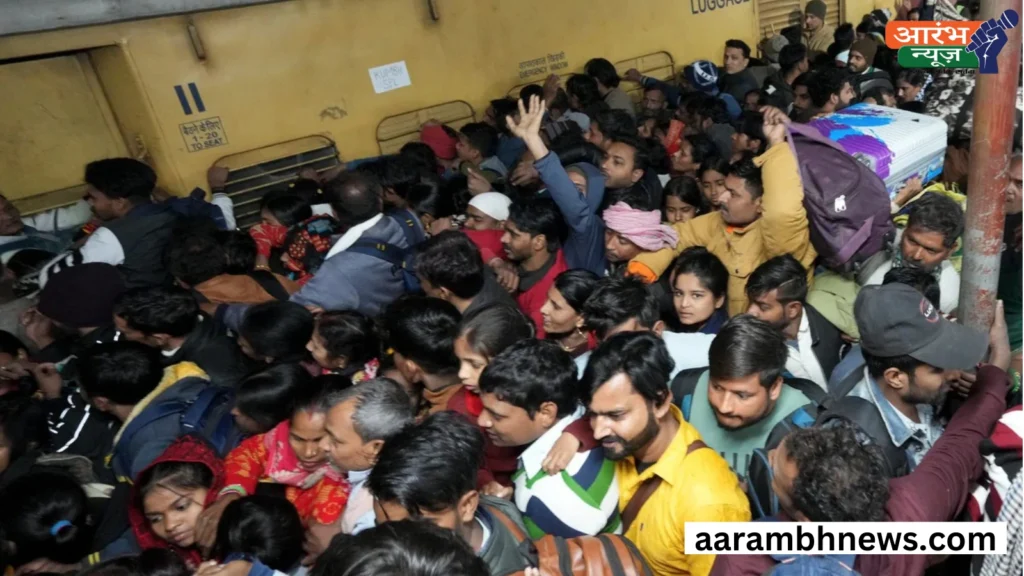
601 555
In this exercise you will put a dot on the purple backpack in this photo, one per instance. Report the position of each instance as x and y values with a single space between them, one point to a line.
846 202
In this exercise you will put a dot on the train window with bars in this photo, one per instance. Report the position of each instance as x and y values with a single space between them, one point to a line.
396 131
774 15
254 173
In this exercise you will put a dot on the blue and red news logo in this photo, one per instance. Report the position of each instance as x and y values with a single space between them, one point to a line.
924 44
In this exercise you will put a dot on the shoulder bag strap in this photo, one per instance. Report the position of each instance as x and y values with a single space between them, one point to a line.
270 284
647 490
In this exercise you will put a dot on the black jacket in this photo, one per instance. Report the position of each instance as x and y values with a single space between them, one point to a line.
777 93
209 347
826 341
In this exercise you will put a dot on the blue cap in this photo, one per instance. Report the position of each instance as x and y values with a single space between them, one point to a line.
703 75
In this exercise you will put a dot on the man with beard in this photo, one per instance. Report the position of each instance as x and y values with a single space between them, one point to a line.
534 232
908 348
777 291
661 460
745 391
830 90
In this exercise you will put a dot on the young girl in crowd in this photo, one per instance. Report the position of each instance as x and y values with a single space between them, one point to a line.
260 528
264 399
46 515
480 337
712 179
168 497
561 312
699 281
345 343
276 332
683 200
287 460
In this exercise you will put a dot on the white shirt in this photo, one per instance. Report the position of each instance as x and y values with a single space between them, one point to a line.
802 363
949 281
358 514
352 235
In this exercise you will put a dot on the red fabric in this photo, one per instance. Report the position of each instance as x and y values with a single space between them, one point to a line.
439 141
185 449
934 492
489 243
268 237
531 301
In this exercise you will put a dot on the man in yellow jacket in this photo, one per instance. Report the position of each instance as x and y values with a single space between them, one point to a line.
761 216
667 476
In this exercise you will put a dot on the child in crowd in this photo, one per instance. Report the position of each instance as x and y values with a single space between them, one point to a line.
346 343
46 515
683 200
260 528
712 180
275 332
265 398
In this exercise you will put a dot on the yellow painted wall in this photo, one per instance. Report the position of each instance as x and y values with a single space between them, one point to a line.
283 71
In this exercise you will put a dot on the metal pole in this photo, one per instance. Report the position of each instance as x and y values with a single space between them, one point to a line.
995 97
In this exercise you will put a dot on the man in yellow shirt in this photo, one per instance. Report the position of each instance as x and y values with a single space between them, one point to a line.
666 475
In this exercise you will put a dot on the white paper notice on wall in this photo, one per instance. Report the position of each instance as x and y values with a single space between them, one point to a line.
390 77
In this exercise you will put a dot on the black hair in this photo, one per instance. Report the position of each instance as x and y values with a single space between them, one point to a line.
422 154
782 273
530 373
743 46
914 76
11 344
791 56
641 356
707 106
239 251
196 258
288 208
617 300
22 426
490 330
793 33
538 216
266 528
482 137
576 286
716 163
151 562
404 548
584 88
878 94
423 330
122 372
641 149
560 102
686 189
46 515
121 178
877 365
506 107
615 124
750 173
937 213
603 71
159 310
530 90
636 197
746 346
429 467
350 335
426 197
913 106
703 148
174 474
354 196
823 83
697 260
838 479
450 260
268 396
918 279
399 173
278 330
752 125
844 37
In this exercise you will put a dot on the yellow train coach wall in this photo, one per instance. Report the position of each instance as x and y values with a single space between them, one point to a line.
278 72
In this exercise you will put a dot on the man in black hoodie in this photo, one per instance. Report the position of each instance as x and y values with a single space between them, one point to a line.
168 319
778 88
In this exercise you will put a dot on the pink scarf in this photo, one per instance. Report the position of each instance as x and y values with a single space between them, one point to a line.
640 227
283 466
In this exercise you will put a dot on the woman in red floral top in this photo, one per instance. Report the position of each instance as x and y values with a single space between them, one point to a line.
288 459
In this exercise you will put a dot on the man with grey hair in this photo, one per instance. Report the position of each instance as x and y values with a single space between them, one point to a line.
358 421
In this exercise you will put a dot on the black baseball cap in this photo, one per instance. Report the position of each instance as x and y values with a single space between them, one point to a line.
896 320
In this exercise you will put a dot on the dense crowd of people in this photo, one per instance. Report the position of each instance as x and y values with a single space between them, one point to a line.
552 336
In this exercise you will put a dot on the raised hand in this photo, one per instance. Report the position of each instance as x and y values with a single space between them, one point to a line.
633 75
529 120
775 122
